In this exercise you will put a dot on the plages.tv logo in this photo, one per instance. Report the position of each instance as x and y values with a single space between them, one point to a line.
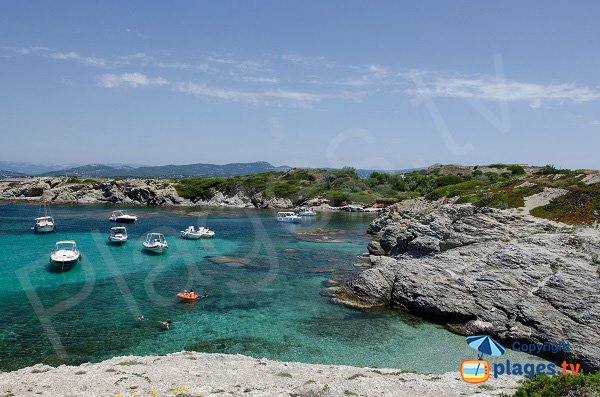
478 371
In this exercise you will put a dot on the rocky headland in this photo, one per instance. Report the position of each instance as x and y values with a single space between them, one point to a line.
486 271
200 374
146 192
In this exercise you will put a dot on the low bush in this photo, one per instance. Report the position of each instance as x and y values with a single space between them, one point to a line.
551 170
493 199
192 188
339 198
561 386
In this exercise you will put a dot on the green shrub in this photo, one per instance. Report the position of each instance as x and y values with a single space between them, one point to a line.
580 205
448 180
458 189
285 190
73 180
551 170
198 188
377 178
299 176
493 199
561 386
516 169
339 198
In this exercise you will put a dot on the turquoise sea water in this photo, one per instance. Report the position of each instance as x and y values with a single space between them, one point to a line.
269 304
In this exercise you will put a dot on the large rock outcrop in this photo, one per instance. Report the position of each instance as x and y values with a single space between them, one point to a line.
149 192
489 271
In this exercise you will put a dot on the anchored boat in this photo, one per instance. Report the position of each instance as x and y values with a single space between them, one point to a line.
306 212
191 233
122 217
65 253
44 224
155 242
206 232
194 234
289 217
118 235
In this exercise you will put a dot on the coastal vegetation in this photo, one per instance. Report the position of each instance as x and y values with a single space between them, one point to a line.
494 185
560 386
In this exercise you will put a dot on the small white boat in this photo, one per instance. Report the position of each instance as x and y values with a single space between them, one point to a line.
44 224
118 235
206 232
65 253
122 217
290 217
307 212
155 242
191 233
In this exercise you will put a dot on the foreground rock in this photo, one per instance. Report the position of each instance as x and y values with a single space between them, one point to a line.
200 374
488 271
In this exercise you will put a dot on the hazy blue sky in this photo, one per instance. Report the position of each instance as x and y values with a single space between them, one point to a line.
310 83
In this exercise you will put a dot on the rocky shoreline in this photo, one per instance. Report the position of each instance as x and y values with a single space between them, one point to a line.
502 273
143 192
187 374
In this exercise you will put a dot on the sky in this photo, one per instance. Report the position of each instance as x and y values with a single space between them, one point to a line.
377 85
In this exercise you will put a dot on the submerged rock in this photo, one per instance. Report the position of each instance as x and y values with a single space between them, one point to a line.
488 271
229 260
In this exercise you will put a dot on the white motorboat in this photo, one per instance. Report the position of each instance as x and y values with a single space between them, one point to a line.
191 233
307 212
118 235
65 253
44 224
289 217
122 217
155 242
206 232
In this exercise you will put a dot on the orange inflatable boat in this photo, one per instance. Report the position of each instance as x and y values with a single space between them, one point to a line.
188 296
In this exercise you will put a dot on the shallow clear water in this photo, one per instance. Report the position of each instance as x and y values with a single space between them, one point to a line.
269 304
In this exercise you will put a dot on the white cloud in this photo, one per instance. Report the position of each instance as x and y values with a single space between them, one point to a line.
371 78
202 67
248 65
307 60
74 56
245 96
131 79
378 71
493 88
259 79
266 97
32 50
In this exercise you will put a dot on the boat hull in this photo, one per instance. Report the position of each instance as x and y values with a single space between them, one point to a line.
289 220
44 229
190 236
60 263
116 240
123 220
156 249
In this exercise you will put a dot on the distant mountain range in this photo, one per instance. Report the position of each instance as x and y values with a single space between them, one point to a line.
119 170
31 168
168 171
